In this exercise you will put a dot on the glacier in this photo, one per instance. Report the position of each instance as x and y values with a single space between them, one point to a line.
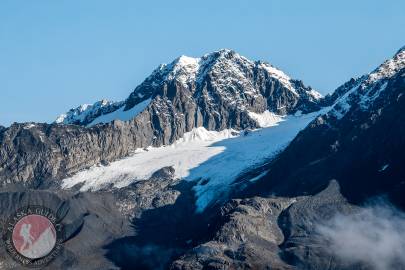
213 159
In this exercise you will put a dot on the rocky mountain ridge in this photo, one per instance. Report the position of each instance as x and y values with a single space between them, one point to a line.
218 91
359 142
221 78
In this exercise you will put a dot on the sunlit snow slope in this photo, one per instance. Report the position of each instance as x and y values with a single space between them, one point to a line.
213 158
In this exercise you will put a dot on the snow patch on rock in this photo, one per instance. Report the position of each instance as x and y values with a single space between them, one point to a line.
315 94
281 76
266 119
184 69
383 168
84 112
121 114
389 68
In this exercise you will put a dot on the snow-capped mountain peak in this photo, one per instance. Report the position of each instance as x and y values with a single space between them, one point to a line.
368 88
389 67
184 69
218 83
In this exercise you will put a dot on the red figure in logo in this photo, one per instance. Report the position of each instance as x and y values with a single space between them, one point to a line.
34 236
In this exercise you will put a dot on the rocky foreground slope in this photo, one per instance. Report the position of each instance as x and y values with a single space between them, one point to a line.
164 232
271 233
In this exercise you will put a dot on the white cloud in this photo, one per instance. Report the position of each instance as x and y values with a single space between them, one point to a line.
374 236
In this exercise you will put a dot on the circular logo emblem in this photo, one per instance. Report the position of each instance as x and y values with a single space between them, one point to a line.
33 236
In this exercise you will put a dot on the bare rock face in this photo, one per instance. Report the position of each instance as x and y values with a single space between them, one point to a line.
32 153
248 238
148 194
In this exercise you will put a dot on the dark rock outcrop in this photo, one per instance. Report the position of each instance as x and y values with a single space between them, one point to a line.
360 142
248 237
303 246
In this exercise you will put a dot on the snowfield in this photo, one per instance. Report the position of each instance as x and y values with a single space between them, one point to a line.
121 114
189 152
266 119
213 158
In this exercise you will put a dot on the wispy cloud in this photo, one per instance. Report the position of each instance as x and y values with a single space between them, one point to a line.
374 236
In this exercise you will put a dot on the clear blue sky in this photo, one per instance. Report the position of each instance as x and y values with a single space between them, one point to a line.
55 55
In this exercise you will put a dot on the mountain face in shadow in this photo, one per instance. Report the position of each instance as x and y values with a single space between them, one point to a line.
360 142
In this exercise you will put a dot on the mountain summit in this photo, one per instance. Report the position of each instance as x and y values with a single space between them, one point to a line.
362 92
217 90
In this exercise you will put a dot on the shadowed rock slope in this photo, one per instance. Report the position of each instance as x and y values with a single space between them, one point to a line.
360 142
